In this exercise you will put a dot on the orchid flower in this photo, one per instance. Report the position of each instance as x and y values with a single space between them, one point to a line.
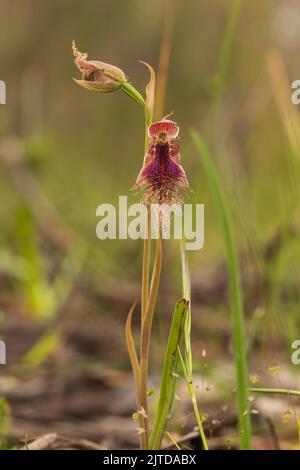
162 178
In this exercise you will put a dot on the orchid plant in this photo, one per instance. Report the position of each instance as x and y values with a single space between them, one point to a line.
162 181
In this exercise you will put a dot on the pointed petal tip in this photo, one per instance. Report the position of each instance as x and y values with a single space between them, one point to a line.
80 82
165 118
149 67
143 62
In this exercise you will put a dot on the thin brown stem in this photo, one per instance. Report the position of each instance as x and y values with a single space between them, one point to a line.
146 333
136 372
146 267
144 302
145 294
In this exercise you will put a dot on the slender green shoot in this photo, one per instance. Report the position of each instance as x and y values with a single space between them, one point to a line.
172 440
237 307
192 394
186 288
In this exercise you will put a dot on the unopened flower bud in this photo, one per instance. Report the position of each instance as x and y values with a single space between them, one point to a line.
97 76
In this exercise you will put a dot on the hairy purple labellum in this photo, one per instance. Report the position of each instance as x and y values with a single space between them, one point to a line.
162 178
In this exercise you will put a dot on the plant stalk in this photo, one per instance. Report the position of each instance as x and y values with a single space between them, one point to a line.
146 334
146 266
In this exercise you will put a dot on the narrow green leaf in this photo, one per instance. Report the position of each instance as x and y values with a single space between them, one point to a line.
169 375
237 307
150 101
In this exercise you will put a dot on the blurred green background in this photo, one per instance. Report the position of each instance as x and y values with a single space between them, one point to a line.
231 67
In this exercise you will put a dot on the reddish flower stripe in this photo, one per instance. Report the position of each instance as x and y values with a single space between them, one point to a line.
167 127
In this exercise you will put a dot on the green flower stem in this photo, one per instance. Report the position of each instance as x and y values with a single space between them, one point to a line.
133 93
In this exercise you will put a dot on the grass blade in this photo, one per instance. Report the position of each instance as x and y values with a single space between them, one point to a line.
192 394
172 440
169 375
276 391
237 307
